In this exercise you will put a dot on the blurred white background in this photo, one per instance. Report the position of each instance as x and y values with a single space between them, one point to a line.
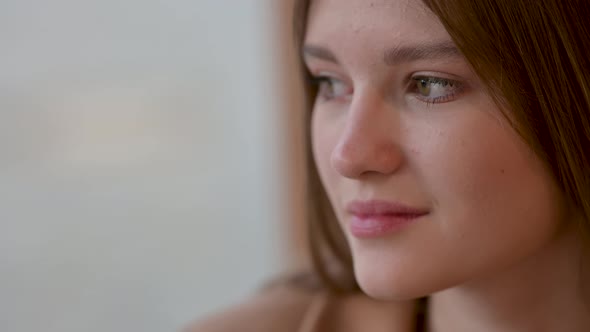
142 150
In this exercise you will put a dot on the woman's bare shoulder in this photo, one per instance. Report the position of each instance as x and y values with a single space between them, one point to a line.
278 307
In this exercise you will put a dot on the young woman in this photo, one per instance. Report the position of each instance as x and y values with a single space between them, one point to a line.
451 140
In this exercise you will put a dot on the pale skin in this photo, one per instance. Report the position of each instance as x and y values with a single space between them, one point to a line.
402 117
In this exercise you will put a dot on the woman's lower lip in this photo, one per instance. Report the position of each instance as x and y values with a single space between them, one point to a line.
379 225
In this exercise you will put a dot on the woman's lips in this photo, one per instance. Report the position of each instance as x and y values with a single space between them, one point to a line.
377 218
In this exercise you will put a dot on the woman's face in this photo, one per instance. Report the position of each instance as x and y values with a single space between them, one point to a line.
430 184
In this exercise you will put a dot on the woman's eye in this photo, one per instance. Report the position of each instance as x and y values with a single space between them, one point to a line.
331 88
434 90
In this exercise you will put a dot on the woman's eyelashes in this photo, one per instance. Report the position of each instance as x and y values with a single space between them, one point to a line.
427 89
435 90
330 87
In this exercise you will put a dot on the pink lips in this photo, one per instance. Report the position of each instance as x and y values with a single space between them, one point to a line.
377 218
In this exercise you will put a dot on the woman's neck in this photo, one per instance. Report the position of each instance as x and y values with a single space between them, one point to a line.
547 292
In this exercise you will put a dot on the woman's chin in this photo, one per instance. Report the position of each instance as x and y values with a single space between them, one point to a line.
388 291
393 284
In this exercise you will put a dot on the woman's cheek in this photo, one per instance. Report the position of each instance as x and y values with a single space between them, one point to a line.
489 189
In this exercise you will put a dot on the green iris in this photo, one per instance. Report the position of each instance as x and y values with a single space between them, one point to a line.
424 86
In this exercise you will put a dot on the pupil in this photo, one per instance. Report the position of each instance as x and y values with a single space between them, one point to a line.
424 87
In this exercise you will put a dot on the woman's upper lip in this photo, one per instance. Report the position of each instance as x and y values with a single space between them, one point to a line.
383 207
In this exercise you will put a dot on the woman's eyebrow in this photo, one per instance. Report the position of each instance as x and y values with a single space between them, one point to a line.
318 52
401 54
395 55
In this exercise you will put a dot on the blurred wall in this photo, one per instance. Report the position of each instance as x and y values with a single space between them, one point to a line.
141 161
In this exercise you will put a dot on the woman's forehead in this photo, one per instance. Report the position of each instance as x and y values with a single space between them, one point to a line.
363 25
361 14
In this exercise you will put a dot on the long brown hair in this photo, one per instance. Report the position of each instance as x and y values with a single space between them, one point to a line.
533 58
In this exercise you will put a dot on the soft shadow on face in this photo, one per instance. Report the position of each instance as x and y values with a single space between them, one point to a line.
430 184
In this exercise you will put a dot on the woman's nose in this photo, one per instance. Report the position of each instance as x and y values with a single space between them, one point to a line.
367 143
